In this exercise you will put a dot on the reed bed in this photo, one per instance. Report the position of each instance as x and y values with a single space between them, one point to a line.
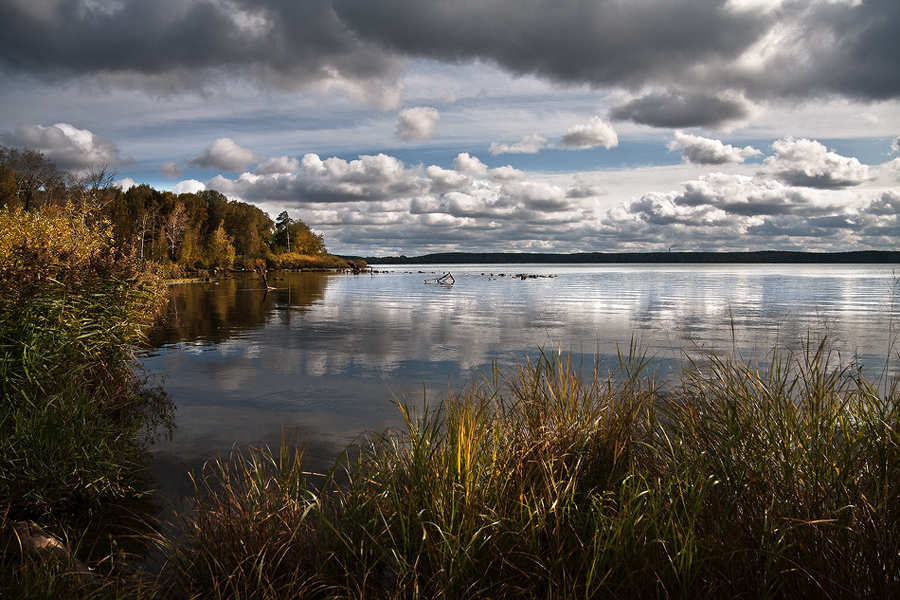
739 479
76 416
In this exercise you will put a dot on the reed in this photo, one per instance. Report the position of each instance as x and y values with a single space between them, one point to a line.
741 479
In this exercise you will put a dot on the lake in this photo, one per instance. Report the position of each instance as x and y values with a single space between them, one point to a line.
329 353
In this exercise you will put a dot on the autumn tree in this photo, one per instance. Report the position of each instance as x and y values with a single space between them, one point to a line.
293 235
220 249
250 227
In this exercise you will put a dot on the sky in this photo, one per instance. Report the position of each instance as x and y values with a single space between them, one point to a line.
416 126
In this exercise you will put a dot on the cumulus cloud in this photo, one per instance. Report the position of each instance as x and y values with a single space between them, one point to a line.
332 180
895 146
378 202
596 132
171 169
891 169
280 164
225 154
444 180
719 211
465 163
188 186
417 123
530 144
124 184
673 110
704 151
808 163
70 148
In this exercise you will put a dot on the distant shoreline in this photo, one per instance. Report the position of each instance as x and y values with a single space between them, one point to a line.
761 257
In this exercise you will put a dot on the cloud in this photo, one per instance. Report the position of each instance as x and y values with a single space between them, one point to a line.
70 148
895 146
417 123
530 144
808 163
169 47
469 164
704 151
596 132
280 164
673 110
171 169
377 203
223 154
444 181
803 49
124 184
719 211
704 48
188 186
332 180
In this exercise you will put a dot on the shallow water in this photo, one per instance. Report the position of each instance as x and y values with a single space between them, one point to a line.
329 353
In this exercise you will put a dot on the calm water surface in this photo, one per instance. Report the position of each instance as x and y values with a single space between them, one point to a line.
327 354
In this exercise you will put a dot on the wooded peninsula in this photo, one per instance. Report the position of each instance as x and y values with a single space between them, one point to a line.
181 232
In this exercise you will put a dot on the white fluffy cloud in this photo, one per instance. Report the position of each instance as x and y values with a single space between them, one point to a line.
530 144
704 151
188 186
70 148
225 154
469 164
124 184
595 132
417 123
808 163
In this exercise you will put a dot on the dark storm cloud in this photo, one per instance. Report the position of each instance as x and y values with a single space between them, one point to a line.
703 48
599 42
674 110
757 49
174 44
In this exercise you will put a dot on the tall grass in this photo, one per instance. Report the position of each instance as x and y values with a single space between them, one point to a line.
736 480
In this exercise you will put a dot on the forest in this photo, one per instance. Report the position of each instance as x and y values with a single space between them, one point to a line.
182 232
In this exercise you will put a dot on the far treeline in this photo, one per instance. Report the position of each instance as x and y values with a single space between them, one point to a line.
761 257
185 232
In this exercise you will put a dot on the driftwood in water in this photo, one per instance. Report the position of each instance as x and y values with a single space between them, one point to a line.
446 279
262 273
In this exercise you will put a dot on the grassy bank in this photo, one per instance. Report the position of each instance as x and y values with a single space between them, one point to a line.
737 481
